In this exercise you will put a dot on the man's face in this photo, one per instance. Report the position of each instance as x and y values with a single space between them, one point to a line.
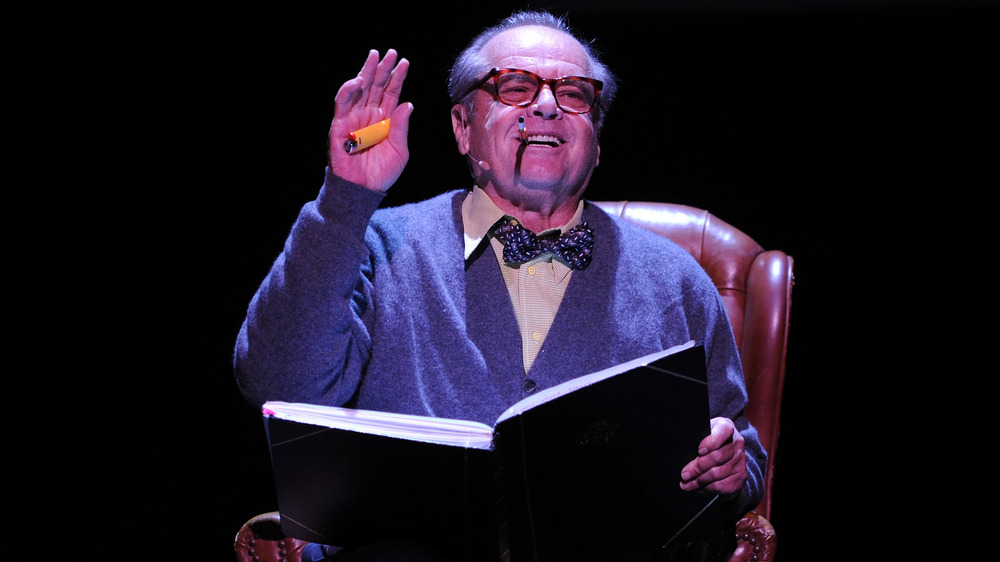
561 151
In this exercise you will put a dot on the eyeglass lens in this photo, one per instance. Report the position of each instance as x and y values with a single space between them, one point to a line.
520 89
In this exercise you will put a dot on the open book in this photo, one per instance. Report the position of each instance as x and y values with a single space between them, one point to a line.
580 471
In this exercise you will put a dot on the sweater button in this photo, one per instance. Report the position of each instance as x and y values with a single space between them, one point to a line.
529 386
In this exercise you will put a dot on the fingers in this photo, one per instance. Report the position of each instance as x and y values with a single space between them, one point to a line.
394 88
730 478
380 79
374 93
713 474
721 463
354 92
723 432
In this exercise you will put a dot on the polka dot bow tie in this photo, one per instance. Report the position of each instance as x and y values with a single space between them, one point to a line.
520 244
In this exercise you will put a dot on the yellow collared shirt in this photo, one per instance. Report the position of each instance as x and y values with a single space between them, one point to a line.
536 287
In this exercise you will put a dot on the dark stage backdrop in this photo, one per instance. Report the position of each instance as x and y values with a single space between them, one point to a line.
167 148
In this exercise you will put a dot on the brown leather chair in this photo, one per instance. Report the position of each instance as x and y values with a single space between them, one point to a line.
756 288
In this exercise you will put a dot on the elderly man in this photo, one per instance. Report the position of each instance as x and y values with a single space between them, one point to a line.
434 308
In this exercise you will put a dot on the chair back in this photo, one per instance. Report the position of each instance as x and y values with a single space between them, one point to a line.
756 288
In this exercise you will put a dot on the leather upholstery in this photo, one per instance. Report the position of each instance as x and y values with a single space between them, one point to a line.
756 288
260 540
755 539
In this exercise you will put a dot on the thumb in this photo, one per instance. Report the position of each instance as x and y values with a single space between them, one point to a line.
400 129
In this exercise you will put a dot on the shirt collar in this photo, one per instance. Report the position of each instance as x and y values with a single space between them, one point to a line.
480 213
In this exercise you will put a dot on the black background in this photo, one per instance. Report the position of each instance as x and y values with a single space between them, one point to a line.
161 152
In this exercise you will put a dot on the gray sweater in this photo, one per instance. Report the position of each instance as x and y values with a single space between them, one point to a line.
378 309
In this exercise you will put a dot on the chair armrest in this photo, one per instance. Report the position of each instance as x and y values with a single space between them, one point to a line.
755 539
260 540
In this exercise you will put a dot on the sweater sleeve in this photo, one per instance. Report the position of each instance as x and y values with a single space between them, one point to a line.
728 398
306 335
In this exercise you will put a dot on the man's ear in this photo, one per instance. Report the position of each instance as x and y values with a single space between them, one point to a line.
460 126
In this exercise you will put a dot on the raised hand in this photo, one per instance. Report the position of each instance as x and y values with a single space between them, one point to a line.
372 96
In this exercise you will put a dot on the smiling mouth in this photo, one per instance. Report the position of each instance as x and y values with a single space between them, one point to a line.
543 140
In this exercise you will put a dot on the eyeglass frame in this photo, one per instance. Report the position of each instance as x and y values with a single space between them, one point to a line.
495 73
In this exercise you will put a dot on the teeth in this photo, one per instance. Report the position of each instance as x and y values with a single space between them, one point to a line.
544 139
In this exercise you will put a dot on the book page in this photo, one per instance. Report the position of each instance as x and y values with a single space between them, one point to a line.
569 386
458 433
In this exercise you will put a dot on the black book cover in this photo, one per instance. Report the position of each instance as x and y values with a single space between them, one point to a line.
344 488
598 476
587 474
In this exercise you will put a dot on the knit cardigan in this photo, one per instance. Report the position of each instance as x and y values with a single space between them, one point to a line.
377 308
